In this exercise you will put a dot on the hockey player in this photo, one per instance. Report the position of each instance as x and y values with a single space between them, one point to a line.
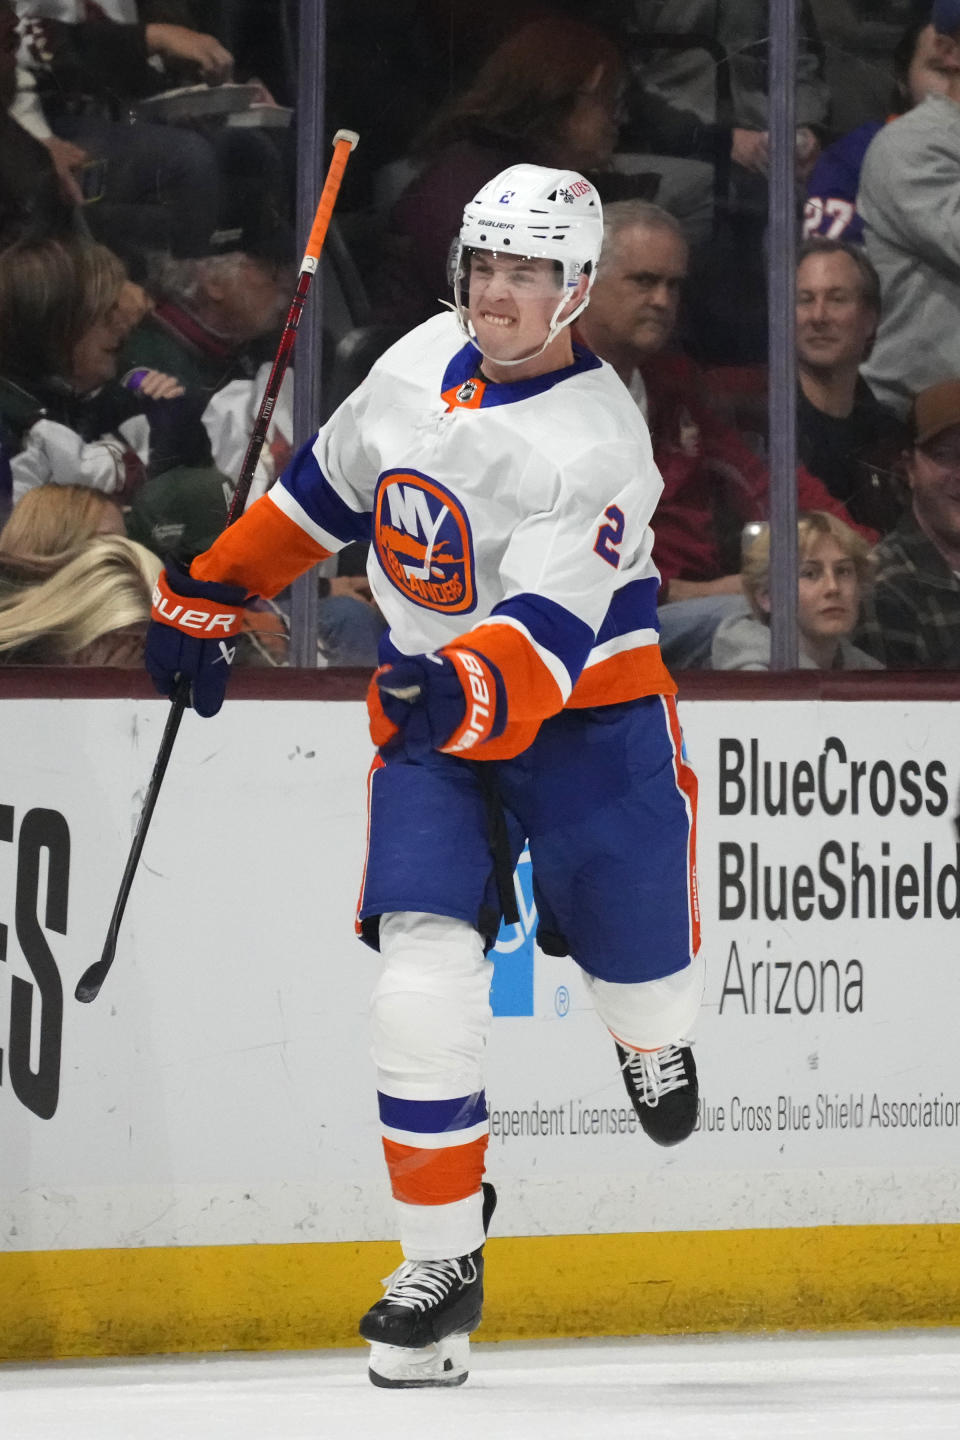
505 480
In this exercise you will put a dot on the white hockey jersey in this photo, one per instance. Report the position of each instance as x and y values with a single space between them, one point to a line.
512 519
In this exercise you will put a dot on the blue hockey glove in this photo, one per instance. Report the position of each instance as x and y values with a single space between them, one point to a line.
191 634
450 701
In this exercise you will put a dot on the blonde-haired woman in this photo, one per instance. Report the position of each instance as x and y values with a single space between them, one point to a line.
54 519
91 611
833 570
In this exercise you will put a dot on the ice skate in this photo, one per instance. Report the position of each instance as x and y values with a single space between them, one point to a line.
419 1332
662 1084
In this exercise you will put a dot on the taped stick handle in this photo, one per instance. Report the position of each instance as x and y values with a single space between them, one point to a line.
344 142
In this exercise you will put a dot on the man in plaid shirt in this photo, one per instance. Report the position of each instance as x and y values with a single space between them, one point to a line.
911 618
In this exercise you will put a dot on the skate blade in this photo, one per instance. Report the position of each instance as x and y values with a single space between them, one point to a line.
445 1364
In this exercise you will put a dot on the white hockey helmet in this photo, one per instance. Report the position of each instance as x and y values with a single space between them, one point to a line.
540 213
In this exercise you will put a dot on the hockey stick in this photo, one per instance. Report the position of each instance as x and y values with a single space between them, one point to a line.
88 986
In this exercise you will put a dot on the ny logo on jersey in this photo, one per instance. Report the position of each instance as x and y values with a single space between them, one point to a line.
423 541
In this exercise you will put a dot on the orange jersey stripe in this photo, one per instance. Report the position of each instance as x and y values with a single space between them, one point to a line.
532 692
687 784
435 1177
627 676
264 550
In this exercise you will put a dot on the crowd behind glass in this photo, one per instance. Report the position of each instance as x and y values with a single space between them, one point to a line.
148 254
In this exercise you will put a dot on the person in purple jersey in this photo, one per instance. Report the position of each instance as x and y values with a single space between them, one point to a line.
922 68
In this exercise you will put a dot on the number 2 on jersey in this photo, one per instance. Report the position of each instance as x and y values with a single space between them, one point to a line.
610 536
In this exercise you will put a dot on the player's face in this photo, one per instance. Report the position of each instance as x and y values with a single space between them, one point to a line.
512 300
634 301
934 473
834 322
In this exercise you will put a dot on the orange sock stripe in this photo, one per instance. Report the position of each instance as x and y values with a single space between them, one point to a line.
628 676
687 783
264 550
532 692
435 1177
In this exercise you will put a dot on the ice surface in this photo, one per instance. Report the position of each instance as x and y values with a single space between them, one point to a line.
887 1386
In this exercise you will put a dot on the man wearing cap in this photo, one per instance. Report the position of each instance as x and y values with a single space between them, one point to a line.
212 308
911 618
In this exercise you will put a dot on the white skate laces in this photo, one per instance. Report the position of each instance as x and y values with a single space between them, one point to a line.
655 1073
418 1284
663 1089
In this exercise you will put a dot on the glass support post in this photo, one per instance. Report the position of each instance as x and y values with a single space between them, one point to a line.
781 262
307 359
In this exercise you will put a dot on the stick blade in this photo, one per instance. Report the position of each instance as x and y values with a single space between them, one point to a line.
88 986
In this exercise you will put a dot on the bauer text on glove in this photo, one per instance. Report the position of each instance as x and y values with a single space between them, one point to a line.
452 701
192 634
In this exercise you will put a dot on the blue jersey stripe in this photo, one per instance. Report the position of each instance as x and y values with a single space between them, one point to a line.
312 490
634 607
552 627
432 1117
464 366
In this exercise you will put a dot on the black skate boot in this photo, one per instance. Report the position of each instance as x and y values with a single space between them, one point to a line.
663 1087
419 1332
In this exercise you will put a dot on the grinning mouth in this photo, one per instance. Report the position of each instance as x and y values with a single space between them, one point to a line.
499 320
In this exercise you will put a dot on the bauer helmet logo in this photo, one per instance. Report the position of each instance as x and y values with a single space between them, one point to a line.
423 541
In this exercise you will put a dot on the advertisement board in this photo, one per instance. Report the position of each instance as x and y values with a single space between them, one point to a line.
220 1090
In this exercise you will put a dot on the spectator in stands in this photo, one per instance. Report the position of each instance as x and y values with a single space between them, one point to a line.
714 64
833 572
688 76
52 520
859 38
93 610
31 203
921 70
216 317
912 616
549 95
845 436
909 194
85 68
713 483
64 417
212 307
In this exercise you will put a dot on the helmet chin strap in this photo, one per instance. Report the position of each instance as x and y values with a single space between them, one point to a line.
553 330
